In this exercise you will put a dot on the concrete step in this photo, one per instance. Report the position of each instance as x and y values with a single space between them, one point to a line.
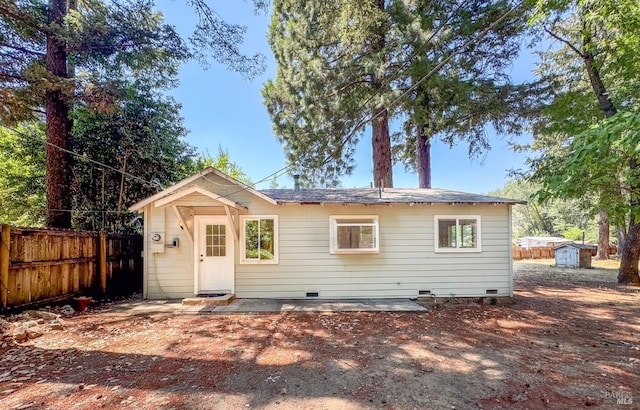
223 300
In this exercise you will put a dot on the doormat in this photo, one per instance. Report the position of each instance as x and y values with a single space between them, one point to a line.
210 295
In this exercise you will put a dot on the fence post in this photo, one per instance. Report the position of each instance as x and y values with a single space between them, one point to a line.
102 264
5 243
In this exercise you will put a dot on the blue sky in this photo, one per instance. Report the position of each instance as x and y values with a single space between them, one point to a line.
221 109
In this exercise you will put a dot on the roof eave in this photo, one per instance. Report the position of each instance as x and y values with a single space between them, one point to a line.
408 202
139 206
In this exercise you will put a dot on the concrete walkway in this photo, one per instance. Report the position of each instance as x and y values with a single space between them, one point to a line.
270 305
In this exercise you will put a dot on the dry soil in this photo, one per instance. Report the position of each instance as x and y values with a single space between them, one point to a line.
571 340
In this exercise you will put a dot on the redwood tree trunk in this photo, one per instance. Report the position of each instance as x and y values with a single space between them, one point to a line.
381 148
603 236
628 273
58 164
423 157
630 252
380 138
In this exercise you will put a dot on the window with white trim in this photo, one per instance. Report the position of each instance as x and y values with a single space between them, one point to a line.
457 233
354 233
259 239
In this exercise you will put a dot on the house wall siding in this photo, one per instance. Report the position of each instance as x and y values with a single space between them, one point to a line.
405 264
168 274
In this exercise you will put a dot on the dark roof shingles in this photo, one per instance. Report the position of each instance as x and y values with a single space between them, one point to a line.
388 195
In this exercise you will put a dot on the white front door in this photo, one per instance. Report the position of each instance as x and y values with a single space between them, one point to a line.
214 257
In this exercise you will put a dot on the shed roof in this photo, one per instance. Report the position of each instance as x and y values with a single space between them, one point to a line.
385 196
576 245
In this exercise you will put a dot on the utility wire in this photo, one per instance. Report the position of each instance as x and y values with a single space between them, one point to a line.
347 138
388 80
82 157
482 34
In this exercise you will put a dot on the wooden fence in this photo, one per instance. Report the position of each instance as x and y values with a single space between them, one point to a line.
41 265
546 252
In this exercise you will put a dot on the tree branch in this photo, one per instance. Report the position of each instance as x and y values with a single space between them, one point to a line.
22 49
562 40
22 17
7 76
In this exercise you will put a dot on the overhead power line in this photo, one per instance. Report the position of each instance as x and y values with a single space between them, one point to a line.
435 69
347 138
81 156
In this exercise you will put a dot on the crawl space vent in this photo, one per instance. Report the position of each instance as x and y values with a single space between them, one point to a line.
312 294
424 292
492 291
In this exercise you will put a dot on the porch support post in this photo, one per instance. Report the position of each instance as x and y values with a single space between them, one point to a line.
182 222
227 210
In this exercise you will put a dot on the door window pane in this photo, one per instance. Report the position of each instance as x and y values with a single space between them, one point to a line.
215 240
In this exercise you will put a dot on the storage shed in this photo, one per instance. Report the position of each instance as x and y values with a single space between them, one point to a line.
574 255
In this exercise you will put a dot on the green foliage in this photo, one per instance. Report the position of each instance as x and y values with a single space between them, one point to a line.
142 136
574 233
598 160
325 51
340 61
22 177
586 146
221 162
552 217
105 62
473 89
259 239
106 41
264 254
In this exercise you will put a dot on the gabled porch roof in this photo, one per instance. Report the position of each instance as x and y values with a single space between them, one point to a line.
187 182
194 189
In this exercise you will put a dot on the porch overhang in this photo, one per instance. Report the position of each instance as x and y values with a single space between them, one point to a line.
231 208
194 189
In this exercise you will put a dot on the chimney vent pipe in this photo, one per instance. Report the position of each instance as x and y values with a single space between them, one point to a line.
296 182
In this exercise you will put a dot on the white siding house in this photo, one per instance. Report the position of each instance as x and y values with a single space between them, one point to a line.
212 234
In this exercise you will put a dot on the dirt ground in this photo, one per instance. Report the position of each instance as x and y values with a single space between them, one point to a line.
571 340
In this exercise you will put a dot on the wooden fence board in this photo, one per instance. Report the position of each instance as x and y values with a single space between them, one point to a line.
41 264
533 253
5 252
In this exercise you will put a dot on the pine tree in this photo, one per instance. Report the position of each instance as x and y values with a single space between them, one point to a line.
458 77
333 59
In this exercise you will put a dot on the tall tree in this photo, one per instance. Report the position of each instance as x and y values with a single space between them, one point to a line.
593 70
58 124
39 39
141 135
331 80
343 65
458 74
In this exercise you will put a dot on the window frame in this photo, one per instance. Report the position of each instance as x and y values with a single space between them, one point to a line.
333 235
243 242
457 249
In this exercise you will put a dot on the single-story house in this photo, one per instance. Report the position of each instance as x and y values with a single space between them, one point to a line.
574 255
210 233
